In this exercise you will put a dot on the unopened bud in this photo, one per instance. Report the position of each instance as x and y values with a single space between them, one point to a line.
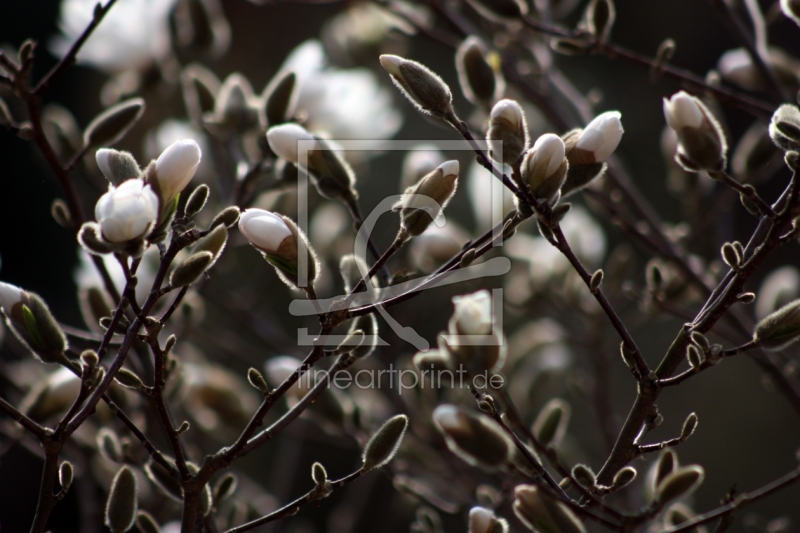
693 356
700 340
599 18
122 501
65 476
623 477
731 256
479 81
508 132
476 438
224 488
197 200
228 217
544 167
190 269
420 85
32 323
423 202
779 329
596 280
257 380
318 474
280 98
681 482
482 520
551 424
128 379
183 428
701 142
541 512
109 445
112 124
117 166
384 444
689 425
145 523
584 475
214 242
784 128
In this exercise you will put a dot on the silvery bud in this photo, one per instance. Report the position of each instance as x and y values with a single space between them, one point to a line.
277 237
127 212
680 482
423 202
482 520
175 168
146 523
507 125
279 99
701 142
224 488
116 166
112 124
32 323
479 80
65 475
623 477
779 329
384 444
421 86
599 18
544 167
784 128
191 269
541 512
551 423
122 501
474 437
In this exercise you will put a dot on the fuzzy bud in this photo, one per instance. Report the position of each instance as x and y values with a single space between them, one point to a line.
423 202
319 475
116 166
478 79
383 445
280 98
599 18
128 379
585 476
482 520
197 201
780 329
475 438
784 128
507 125
28 316
225 488
175 168
65 476
551 424
127 212
689 425
680 482
145 523
191 269
257 380
420 85
544 167
623 477
473 317
122 501
214 242
112 124
541 512
227 217
701 142
277 237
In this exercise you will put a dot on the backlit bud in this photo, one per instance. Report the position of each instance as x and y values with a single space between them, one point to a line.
277 237
680 482
599 138
384 444
473 314
423 202
122 501
701 143
175 168
283 140
474 437
541 512
545 167
32 322
784 128
127 212
500 10
780 329
507 126
478 79
551 424
117 166
482 520
420 85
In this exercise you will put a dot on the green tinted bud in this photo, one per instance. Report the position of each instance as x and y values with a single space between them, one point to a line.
784 128
681 482
117 166
197 200
145 523
228 216
416 209
122 502
384 444
584 475
624 477
257 380
780 329
65 476
541 512
478 79
318 474
551 424
190 269
128 379
224 488
475 438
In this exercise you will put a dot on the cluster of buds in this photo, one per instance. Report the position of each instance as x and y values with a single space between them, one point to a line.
279 239
701 142
32 322
330 173
424 201
139 205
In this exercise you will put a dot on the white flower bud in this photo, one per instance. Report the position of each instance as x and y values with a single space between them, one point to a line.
10 295
473 314
175 167
701 143
283 140
416 210
265 230
127 212
601 136
482 520
507 125
545 167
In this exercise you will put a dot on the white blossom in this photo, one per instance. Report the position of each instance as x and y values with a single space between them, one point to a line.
127 212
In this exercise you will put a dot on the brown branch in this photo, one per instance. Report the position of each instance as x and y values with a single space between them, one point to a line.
23 420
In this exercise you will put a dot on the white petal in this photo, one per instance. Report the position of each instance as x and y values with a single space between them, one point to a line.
264 229
283 140
391 63
449 168
175 167
9 295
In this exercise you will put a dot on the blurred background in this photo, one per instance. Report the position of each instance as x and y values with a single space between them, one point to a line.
748 434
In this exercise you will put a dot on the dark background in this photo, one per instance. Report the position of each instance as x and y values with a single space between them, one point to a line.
746 436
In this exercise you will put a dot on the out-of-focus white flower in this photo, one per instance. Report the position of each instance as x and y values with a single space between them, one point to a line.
134 33
436 245
127 212
344 103
264 229
602 135
490 199
419 161
10 295
175 168
473 313
779 288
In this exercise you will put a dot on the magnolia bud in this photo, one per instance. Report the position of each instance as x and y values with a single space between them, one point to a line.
112 124
122 501
598 140
318 474
191 269
544 167
473 316
701 142
257 380
117 166
197 200
65 476
599 18
541 512
423 202
780 329
283 140
680 482
384 443
420 85
224 488
213 243
127 212
482 520
175 168
475 438
584 475
507 126
145 523
551 424
784 128
32 323
235 107
623 477
277 238
791 8
479 81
